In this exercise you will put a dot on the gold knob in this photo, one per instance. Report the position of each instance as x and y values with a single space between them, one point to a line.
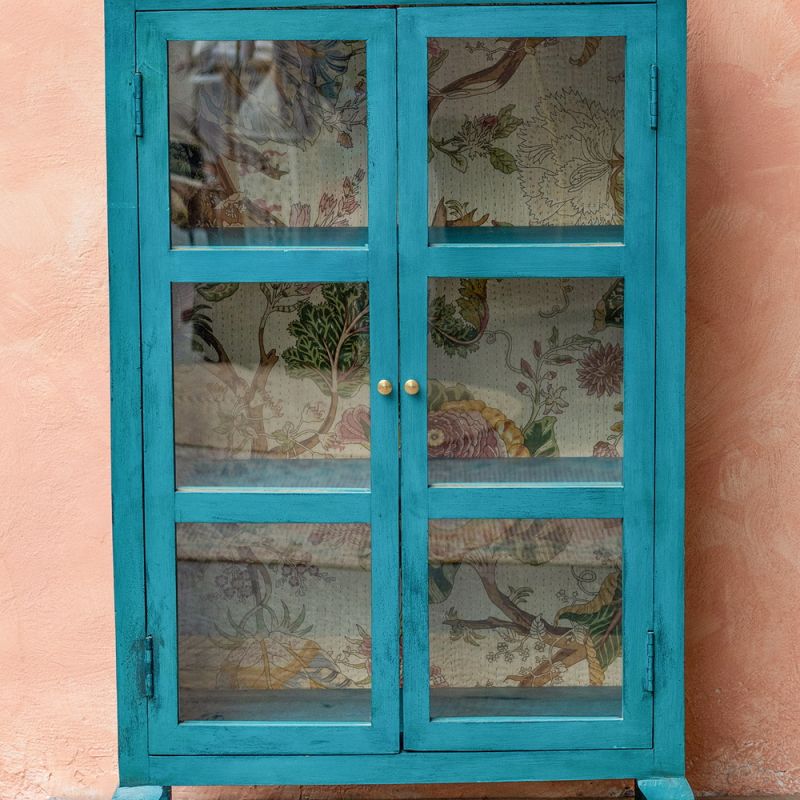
411 386
384 387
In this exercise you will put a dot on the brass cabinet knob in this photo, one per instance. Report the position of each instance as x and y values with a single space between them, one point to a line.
384 387
411 386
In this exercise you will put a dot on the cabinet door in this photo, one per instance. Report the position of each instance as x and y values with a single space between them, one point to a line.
268 260
527 266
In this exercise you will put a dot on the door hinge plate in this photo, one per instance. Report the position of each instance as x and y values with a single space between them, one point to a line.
138 119
653 96
147 667
649 672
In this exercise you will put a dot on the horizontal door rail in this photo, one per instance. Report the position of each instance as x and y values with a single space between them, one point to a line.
212 265
520 502
599 733
528 261
299 505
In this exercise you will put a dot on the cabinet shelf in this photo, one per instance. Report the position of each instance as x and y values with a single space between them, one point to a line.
277 705
183 238
195 471
542 701
456 472
353 705
589 235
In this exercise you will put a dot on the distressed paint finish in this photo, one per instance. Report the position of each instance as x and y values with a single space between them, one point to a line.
742 468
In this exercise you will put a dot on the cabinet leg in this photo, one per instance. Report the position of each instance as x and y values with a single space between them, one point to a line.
664 789
142 793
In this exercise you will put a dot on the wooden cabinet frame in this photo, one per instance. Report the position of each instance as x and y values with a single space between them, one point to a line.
655 760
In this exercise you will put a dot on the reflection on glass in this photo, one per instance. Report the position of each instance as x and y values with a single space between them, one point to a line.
274 622
267 142
525 380
525 617
271 384
526 139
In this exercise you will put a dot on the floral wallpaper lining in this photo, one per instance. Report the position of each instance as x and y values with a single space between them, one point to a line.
525 368
525 603
271 380
271 607
266 373
526 131
286 608
266 135
275 373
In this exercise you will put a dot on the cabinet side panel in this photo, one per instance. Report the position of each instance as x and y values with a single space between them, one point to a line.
126 480
670 357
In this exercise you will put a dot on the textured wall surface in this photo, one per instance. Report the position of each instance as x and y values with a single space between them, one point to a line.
743 426
56 626
743 512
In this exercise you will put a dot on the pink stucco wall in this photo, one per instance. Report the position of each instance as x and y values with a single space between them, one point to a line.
57 729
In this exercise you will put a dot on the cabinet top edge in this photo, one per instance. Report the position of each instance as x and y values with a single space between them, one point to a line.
117 6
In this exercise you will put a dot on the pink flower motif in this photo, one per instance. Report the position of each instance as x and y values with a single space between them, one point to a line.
434 48
488 121
348 204
438 679
600 370
461 434
327 203
331 442
605 450
267 208
300 215
353 427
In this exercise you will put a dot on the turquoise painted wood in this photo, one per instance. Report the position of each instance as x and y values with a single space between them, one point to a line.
664 789
154 5
142 793
645 742
405 767
635 261
162 265
668 737
126 402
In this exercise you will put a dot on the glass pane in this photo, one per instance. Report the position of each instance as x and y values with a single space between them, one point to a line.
525 617
525 380
267 142
271 384
274 622
526 139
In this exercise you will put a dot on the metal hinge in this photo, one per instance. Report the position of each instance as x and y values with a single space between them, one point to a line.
653 96
149 676
649 670
138 119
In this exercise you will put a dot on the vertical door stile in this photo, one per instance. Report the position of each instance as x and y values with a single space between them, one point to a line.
639 464
381 65
413 336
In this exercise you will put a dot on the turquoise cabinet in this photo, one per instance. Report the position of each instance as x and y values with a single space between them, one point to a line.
397 361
